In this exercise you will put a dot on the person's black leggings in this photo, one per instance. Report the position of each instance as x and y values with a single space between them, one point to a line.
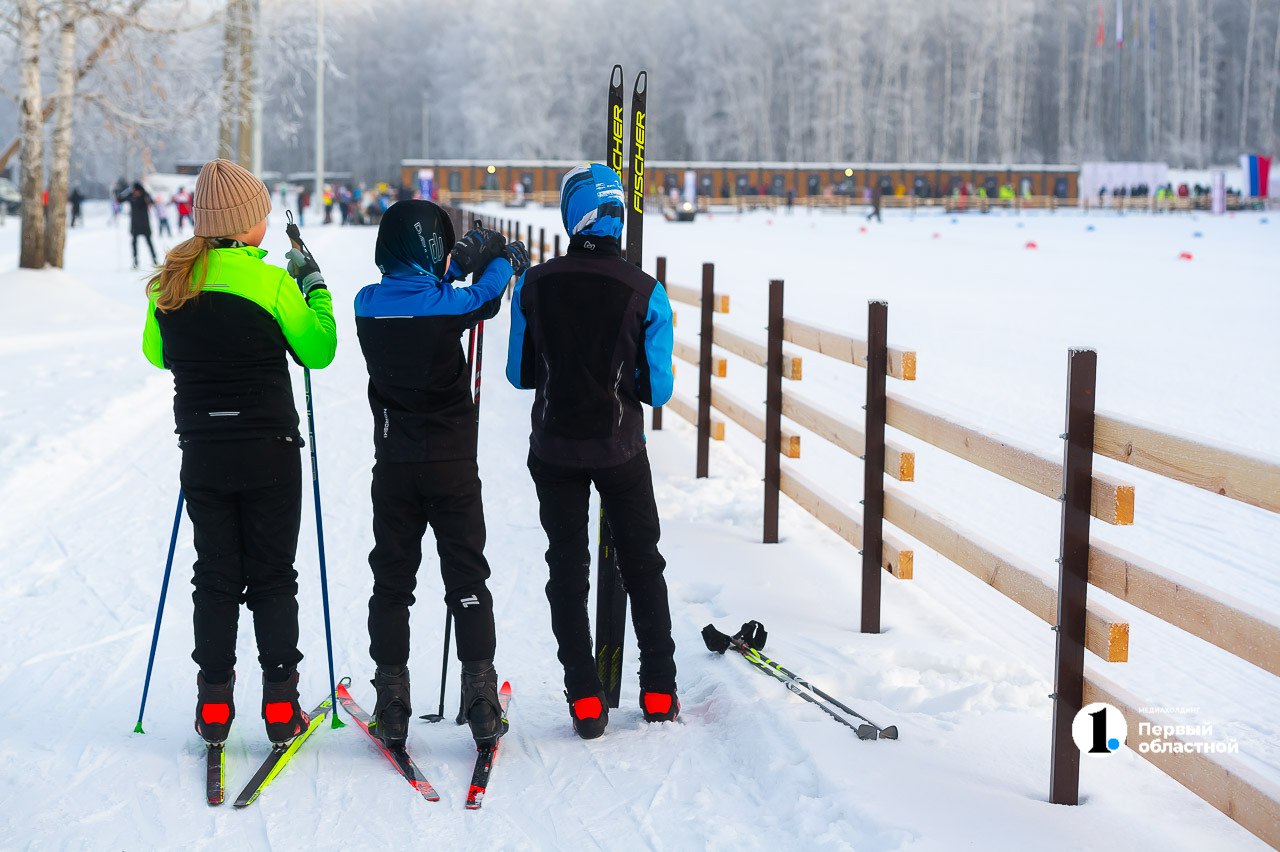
244 498
626 491
146 237
407 498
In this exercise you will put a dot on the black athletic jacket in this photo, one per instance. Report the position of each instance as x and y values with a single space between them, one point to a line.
419 381
591 334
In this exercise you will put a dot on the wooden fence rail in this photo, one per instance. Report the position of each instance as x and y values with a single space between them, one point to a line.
1239 474
1221 780
1233 625
687 353
1112 499
899 462
789 444
1106 634
689 411
895 557
851 350
792 365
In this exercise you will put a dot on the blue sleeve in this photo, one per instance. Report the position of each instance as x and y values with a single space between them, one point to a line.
490 284
659 340
515 343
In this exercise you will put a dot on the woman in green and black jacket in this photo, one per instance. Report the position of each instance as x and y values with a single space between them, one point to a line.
221 320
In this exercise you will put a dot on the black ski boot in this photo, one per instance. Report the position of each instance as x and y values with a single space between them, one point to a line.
280 708
480 702
590 714
392 712
660 706
215 708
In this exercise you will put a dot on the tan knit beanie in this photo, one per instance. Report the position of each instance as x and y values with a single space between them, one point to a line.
228 200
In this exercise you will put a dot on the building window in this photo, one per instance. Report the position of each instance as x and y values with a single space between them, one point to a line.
455 181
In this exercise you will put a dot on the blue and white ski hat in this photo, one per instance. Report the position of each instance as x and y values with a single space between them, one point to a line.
592 201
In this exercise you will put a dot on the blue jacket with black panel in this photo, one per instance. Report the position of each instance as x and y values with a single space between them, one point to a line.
591 334
410 326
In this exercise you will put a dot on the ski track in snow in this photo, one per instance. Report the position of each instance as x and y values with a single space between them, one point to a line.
88 465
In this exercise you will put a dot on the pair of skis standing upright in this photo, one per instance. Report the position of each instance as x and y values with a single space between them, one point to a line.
611 599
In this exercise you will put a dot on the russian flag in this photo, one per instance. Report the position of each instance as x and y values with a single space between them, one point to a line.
1257 171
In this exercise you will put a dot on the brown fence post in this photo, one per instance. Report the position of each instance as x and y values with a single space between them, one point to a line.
772 413
873 464
542 245
1073 574
528 245
557 245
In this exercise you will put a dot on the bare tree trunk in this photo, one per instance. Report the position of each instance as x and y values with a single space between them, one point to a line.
1248 66
1064 84
227 106
245 150
1269 117
59 175
1176 72
31 119
89 62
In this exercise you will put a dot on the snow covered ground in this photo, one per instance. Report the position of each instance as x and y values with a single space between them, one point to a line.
88 480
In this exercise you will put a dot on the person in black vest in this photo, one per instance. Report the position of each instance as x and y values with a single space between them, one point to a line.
424 435
592 335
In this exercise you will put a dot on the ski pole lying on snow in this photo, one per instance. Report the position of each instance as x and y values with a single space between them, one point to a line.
164 590
295 239
751 638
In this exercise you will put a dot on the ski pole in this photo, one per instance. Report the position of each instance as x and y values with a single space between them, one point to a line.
719 643
438 716
164 591
475 357
295 238
889 733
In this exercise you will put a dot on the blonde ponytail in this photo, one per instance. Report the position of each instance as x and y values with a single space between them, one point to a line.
177 283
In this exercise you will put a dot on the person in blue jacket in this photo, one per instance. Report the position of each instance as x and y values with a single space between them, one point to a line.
591 335
424 435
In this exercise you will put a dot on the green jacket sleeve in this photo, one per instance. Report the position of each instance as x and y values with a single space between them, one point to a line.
309 328
152 344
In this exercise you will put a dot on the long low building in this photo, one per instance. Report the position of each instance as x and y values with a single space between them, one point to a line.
723 180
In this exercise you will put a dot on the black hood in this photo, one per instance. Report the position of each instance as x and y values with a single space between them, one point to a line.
414 238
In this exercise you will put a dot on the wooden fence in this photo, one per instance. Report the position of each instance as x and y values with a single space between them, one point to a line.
1080 624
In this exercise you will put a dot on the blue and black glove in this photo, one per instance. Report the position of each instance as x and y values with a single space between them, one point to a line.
474 251
518 256
302 267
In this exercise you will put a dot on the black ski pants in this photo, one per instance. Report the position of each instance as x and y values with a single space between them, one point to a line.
147 237
244 498
626 491
407 498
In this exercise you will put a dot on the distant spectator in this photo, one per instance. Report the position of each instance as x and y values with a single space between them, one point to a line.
164 206
182 201
75 200
140 204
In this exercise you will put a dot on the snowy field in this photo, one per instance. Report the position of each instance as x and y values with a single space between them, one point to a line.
88 480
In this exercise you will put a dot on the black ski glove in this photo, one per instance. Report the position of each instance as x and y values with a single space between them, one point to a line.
473 252
518 256
753 634
716 641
